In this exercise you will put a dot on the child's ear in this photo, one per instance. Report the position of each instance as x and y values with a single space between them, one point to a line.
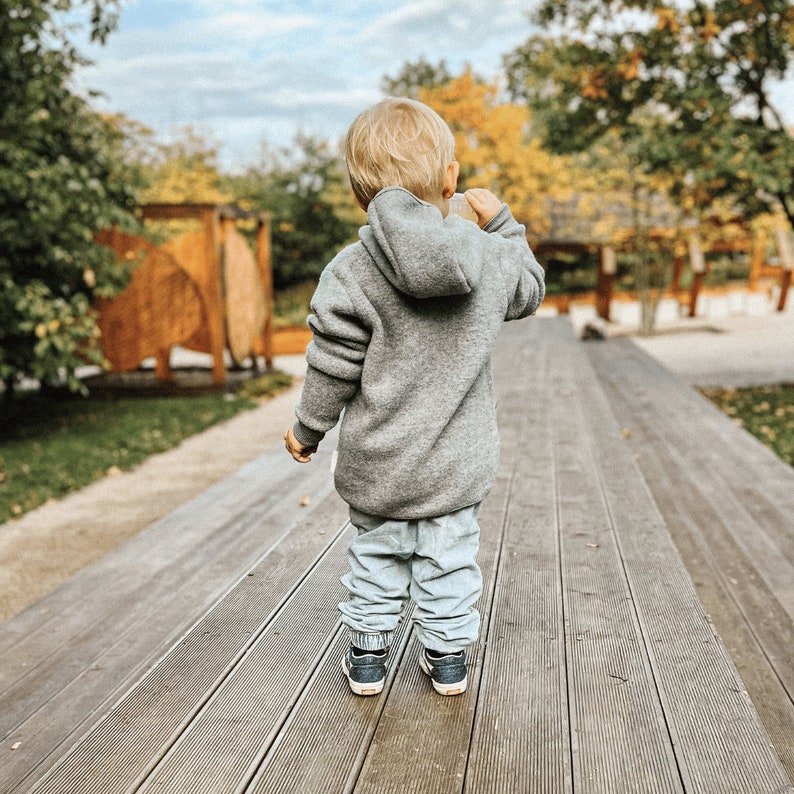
451 179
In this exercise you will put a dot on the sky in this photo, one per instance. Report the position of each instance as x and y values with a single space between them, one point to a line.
244 72
248 71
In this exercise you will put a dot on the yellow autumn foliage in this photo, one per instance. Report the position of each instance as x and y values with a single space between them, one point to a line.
186 172
495 148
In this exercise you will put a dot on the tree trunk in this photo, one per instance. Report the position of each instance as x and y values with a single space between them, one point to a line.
642 263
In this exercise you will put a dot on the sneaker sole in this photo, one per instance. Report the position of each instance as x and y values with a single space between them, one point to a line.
458 688
374 688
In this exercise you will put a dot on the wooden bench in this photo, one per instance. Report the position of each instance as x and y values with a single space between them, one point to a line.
204 655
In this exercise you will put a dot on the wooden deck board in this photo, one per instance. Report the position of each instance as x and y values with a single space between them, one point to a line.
621 739
53 703
597 669
248 706
154 716
731 514
191 564
712 721
521 727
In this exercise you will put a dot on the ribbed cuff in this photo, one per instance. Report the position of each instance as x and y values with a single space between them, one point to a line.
370 642
306 435
499 219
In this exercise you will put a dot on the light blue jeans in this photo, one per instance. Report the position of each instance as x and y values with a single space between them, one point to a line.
431 560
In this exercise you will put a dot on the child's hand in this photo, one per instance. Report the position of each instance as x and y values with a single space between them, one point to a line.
484 203
298 451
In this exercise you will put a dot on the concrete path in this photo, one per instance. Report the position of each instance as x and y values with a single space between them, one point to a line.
732 351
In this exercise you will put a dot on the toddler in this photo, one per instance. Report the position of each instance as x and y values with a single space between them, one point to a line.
404 322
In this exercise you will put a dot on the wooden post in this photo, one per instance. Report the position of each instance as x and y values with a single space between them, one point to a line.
786 262
162 365
607 269
216 313
264 345
698 262
759 255
678 271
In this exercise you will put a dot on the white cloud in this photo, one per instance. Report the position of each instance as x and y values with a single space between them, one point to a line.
230 27
438 26
248 70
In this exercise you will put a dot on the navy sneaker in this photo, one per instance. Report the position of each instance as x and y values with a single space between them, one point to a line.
447 672
365 670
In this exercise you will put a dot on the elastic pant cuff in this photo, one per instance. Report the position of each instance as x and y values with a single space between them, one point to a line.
371 642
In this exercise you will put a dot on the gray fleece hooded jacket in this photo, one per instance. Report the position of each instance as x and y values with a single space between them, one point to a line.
404 322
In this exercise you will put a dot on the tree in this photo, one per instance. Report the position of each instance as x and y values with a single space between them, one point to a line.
312 209
687 83
186 170
681 88
416 76
62 178
496 149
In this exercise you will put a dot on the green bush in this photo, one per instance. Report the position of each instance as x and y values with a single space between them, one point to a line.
62 179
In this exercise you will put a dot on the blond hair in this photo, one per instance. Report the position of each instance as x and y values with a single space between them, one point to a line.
398 142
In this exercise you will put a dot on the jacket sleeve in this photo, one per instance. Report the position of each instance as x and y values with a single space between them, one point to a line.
335 358
525 284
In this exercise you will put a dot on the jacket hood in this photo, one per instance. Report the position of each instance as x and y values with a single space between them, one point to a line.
419 251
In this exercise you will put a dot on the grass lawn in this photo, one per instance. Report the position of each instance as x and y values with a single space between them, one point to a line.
51 446
766 411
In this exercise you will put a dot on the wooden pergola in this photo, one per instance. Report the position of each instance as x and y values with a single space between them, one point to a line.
574 232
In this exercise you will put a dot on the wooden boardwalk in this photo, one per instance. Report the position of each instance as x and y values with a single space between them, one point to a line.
204 655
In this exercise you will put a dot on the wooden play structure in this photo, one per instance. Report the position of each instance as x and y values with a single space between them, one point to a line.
580 232
203 290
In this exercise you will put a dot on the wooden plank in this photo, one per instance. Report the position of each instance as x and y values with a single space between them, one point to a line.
751 520
620 740
263 609
138 611
726 552
220 746
758 640
520 739
719 741
95 609
760 480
